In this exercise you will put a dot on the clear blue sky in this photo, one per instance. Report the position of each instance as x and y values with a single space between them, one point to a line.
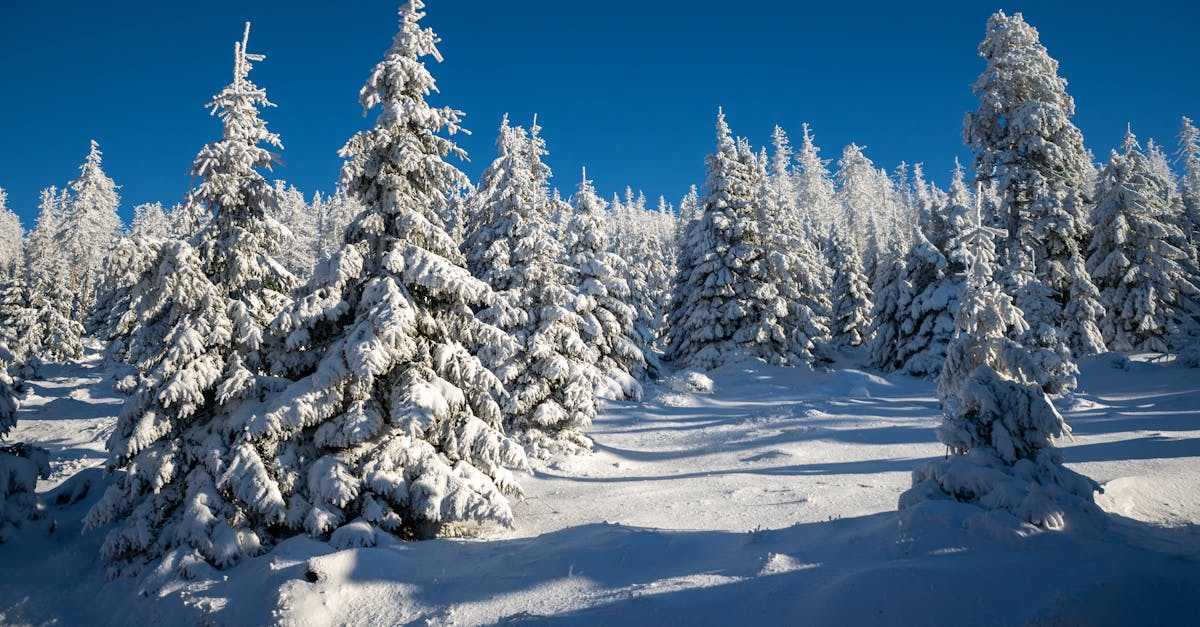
629 88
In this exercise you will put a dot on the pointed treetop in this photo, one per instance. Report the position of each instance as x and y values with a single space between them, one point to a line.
412 40
1130 142
242 59
93 159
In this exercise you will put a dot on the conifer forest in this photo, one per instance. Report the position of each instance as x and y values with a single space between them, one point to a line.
811 389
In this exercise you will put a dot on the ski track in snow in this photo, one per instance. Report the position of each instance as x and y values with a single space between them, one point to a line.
772 499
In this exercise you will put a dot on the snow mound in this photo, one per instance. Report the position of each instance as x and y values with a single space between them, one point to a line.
1164 499
692 381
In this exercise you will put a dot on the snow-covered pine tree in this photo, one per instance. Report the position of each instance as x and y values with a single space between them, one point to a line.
550 378
1025 142
858 193
151 222
1138 257
816 194
793 256
20 464
189 217
891 296
637 235
18 320
559 215
12 260
53 336
999 424
490 217
391 423
334 213
129 258
297 251
688 237
851 294
689 210
190 476
87 229
729 306
1189 185
926 320
42 256
603 299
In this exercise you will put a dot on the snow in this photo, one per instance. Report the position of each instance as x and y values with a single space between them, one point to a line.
774 496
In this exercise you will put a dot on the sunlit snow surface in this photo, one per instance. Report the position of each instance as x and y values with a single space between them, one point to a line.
770 499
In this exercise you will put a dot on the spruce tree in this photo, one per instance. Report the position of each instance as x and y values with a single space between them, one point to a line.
796 261
999 425
189 474
21 465
1025 142
298 250
860 195
851 295
650 268
88 228
1138 257
1188 156
816 195
891 296
729 306
550 378
12 261
150 222
927 315
333 214
112 315
391 423
18 325
603 300
43 258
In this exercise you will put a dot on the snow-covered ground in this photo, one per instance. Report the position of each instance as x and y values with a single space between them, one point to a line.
771 499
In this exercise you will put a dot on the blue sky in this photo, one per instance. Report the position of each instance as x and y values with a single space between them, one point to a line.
627 88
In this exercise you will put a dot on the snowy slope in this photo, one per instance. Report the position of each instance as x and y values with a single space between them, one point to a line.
772 499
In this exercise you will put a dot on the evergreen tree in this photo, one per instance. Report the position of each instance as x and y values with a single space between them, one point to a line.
12 259
891 296
20 464
729 306
53 336
150 222
792 254
189 217
1025 142
999 424
334 213
927 315
112 315
18 322
861 199
191 475
391 423
638 236
851 296
816 195
88 228
42 254
298 250
1138 257
603 298
1188 156
551 376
